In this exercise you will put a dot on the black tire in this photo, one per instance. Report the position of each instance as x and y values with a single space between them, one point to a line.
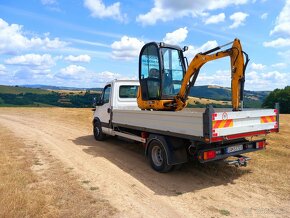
98 134
158 157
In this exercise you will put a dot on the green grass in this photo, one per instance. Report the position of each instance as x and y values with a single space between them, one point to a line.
18 90
35 104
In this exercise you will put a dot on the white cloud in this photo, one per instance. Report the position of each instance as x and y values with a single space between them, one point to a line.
48 2
279 65
255 66
2 69
106 76
238 18
193 50
282 24
13 40
220 78
176 36
72 71
264 16
100 10
266 81
81 58
280 42
166 10
254 80
85 42
32 60
126 49
215 19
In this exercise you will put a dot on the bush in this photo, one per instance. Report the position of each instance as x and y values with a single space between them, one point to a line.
282 96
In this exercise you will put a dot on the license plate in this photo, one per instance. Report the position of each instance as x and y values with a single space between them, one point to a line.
234 148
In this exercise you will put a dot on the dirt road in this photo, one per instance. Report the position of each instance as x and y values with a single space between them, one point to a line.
123 176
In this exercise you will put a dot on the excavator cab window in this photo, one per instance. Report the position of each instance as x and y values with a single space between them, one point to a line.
161 70
149 72
173 72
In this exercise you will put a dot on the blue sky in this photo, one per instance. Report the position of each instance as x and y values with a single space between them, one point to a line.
85 43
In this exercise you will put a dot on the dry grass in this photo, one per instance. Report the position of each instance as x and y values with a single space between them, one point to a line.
75 92
194 100
33 184
272 165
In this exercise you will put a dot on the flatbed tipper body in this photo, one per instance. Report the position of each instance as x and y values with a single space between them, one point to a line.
186 134
198 124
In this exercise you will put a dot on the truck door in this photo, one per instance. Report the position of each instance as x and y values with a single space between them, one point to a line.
104 111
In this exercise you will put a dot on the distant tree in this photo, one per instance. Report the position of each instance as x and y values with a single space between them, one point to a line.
281 96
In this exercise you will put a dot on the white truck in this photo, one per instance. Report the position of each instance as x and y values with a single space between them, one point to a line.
172 138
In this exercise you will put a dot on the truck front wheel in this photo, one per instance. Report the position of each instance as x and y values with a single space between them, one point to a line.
158 157
98 134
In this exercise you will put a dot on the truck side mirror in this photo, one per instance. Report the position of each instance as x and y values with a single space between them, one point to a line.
94 102
99 102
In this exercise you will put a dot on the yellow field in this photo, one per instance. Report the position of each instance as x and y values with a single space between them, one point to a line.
194 100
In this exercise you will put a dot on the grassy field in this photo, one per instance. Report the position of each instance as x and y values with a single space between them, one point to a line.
205 101
18 90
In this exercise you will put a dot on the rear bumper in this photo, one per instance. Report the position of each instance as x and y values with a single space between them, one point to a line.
243 135
222 152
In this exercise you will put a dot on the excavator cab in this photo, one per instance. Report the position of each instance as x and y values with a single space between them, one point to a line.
161 71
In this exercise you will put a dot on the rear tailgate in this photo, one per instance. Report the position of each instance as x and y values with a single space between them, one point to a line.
239 124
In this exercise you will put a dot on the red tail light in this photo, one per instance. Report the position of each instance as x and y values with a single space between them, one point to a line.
260 145
209 155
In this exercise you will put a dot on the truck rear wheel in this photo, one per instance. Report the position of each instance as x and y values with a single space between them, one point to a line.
158 157
98 134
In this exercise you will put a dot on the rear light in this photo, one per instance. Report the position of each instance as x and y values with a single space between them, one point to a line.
260 144
209 155
144 135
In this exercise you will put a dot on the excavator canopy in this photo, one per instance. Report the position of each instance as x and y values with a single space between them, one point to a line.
161 71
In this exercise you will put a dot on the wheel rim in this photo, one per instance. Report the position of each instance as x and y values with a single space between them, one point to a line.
157 156
97 131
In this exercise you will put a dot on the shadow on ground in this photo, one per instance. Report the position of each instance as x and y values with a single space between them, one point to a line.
129 156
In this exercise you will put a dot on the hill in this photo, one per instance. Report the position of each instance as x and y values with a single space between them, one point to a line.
60 88
251 98
19 90
11 96
42 95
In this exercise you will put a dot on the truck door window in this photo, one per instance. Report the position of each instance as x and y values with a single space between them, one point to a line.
106 94
128 91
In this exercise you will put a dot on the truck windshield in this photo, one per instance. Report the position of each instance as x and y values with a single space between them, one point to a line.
174 70
128 91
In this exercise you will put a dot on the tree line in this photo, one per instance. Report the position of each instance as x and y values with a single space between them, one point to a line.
281 96
53 99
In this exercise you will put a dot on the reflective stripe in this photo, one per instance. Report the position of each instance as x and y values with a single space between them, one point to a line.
222 123
268 119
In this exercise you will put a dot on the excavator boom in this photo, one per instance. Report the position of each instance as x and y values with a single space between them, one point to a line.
160 65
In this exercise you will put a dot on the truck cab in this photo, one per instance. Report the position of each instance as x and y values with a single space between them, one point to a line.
117 94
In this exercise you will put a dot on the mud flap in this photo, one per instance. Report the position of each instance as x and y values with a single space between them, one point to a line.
175 148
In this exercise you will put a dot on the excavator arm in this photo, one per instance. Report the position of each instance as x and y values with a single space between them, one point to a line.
237 73
179 101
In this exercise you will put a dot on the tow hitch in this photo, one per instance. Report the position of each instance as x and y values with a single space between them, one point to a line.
240 161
